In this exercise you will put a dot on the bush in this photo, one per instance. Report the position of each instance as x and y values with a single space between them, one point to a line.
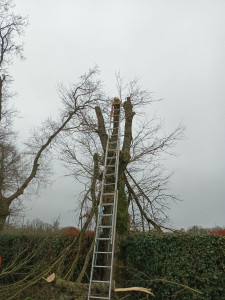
174 266
28 251
168 263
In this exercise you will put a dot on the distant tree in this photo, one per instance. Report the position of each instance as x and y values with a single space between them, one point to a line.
197 230
18 169
11 28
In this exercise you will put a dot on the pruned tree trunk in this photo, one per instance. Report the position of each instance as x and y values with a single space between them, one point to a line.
123 219
123 224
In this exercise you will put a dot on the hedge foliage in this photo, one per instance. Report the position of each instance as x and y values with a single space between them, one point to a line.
173 266
28 250
170 263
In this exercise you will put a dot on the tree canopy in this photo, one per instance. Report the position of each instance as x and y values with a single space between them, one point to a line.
143 181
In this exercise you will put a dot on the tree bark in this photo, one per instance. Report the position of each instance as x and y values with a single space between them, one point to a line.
101 128
129 114
123 219
1 82
4 212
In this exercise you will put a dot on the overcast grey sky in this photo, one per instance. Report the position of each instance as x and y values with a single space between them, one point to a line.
177 48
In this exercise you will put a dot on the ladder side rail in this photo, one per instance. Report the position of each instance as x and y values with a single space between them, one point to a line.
106 156
99 213
115 206
117 169
94 253
105 163
116 177
113 244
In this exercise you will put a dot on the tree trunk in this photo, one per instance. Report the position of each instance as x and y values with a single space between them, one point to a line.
1 81
4 213
123 219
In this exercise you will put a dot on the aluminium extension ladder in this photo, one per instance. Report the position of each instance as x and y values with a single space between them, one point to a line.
103 255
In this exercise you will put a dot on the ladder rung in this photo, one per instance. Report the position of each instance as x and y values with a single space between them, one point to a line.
101 281
106 215
104 239
107 204
108 194
110 166
110 174
97 266
112 150
105 226
113 142
109 183
101 252
97 297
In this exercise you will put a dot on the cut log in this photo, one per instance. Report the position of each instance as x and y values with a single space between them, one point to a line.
50 278
134 289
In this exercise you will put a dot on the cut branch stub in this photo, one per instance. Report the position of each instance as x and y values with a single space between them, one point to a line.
129 114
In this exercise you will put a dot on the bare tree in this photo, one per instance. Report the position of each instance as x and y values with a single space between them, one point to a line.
143 181
18 171
11 29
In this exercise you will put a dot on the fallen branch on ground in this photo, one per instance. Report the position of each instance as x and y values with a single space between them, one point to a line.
69 284
134 289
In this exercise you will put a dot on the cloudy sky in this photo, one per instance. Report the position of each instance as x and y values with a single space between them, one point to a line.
177 48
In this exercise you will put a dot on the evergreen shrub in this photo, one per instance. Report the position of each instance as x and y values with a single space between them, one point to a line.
174 265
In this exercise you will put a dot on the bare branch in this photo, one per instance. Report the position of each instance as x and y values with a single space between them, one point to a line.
156 226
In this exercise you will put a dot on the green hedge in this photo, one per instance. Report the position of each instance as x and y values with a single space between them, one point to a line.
168 263
12 245
171 265
27 250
